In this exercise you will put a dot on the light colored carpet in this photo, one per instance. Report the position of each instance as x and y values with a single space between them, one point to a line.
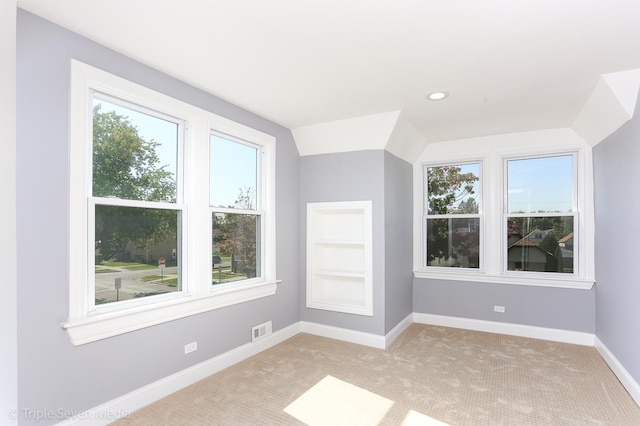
430 375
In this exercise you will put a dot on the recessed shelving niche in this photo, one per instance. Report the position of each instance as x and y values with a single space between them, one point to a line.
339 257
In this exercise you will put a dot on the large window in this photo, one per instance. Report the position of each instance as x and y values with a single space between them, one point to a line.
172 208
540 214
136 199
452 219
516 210
236 216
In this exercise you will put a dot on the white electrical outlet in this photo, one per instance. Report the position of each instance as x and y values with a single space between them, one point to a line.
260 331
498 308
190 347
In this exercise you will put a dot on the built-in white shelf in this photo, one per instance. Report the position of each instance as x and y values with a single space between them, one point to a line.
339 257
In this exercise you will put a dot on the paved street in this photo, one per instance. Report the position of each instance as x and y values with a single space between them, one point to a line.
131 283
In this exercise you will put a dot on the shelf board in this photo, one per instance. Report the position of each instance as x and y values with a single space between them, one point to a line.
336 273
359 243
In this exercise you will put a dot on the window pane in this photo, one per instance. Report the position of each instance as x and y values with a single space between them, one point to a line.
236 247
135 155
453 189
233 174
453 242
129 245
542 244
537 185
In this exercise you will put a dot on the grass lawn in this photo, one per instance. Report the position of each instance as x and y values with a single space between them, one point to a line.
118 264
139 267
105 270
129 266
226 277
170 281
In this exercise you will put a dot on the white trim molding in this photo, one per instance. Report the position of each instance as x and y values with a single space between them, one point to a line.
95 328
504 279
344 334
358 337
396 331
621 373
553 334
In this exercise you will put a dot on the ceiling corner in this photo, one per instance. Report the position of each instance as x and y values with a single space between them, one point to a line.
611 103
369 132
405 140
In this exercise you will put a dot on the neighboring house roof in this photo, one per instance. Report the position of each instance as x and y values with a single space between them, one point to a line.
566 238
524 242
533 238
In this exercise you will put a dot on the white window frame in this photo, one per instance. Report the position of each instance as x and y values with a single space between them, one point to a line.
93 201
574 214
493 152
259 210
87 324
478 215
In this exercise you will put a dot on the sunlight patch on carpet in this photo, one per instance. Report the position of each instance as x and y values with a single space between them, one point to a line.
414 418
332 401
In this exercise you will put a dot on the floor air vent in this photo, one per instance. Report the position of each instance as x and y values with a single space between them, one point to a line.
260 331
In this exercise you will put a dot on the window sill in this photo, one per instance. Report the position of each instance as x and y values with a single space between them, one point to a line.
555 281
98 327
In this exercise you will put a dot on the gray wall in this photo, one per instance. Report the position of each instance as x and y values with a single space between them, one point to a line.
8 237
53 374
398 231
565 309
349 176
617 176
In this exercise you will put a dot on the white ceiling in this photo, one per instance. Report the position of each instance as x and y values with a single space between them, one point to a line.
509 65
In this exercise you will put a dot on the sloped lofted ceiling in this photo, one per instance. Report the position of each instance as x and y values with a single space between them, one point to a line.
508 65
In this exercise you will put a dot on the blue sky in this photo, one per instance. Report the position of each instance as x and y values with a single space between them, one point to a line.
233 167
540 184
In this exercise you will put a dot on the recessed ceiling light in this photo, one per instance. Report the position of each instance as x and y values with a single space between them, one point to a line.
437 96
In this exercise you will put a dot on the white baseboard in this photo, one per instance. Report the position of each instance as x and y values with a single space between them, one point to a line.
358 337
346 335
621 373
556 335
397 330
126 404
